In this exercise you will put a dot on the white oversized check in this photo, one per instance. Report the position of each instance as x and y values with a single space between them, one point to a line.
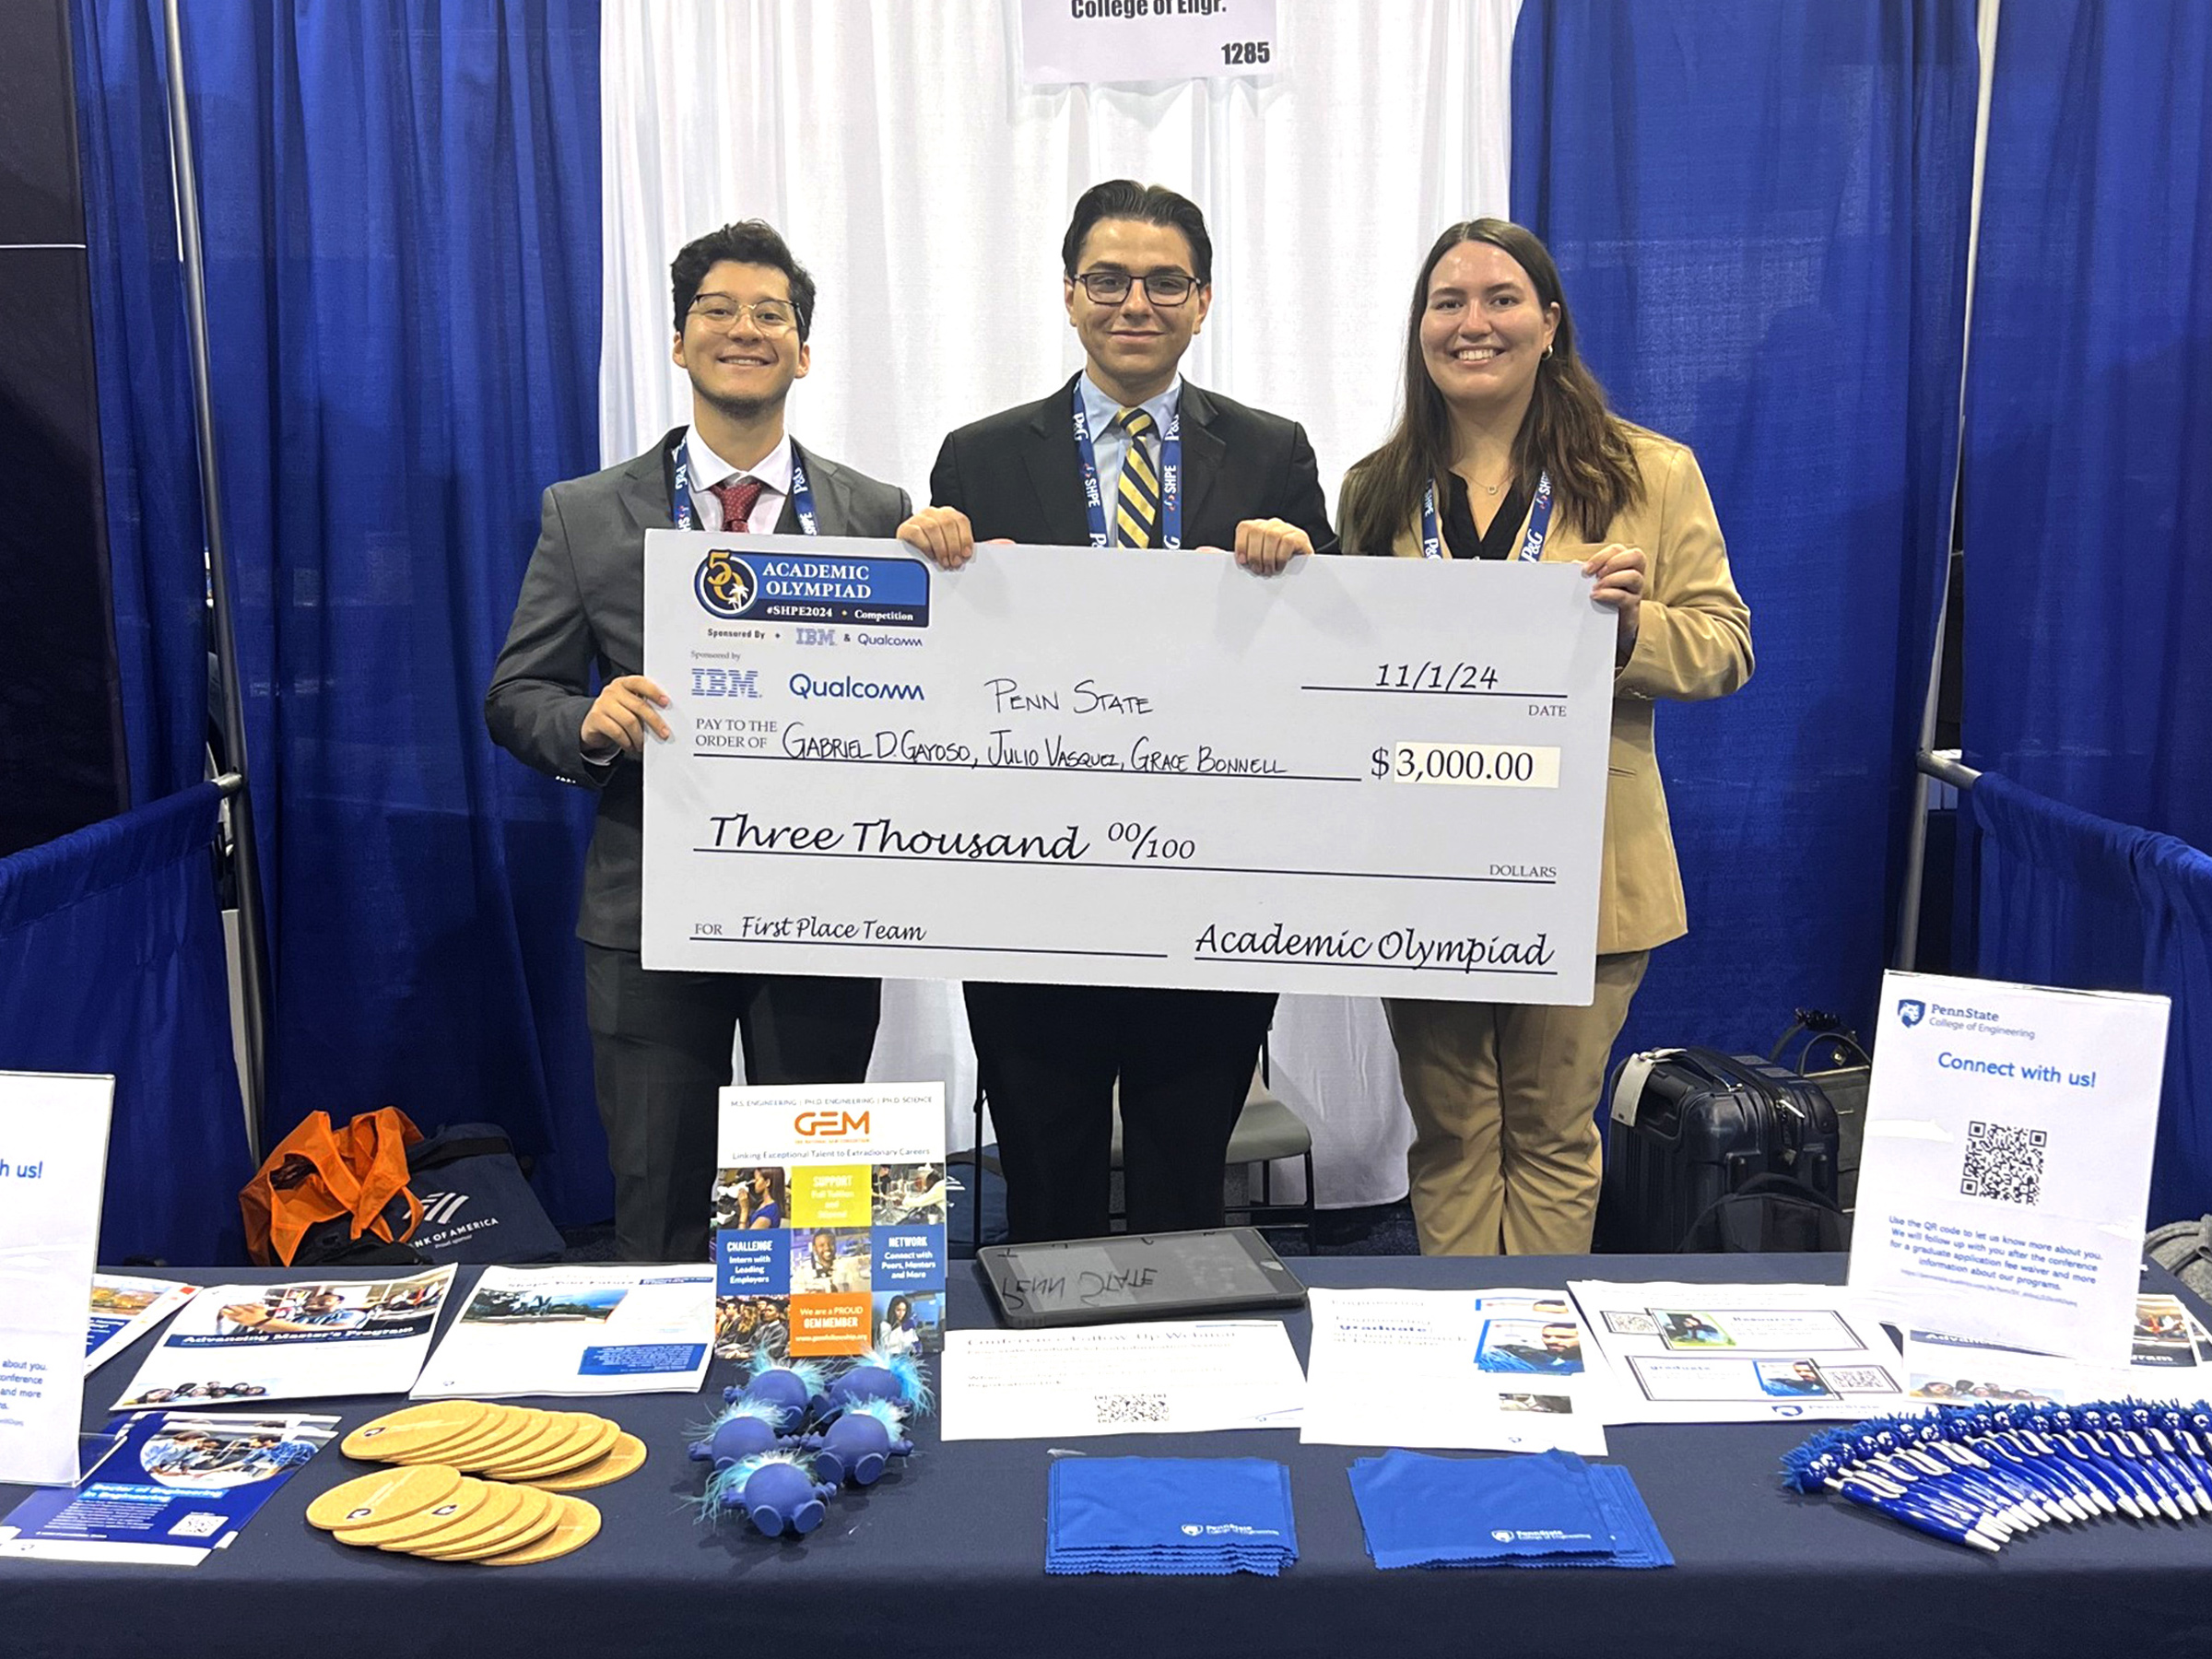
1101 767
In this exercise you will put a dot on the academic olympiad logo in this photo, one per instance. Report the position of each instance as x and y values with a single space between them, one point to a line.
725 584
1911 1012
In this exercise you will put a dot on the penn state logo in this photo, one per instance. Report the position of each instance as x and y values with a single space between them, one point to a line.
1910 1013
725 583
1503 1534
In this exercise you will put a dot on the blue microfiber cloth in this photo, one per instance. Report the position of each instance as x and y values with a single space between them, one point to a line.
1547 1509
1170 1515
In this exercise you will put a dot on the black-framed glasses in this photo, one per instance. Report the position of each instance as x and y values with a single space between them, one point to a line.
1162 287
769 316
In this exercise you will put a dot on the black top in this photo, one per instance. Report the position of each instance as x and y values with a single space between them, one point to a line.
1504 535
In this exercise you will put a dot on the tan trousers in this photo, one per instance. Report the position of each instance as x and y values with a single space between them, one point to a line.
1506 1156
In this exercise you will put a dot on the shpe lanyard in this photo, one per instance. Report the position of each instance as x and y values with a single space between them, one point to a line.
1532 545
680 498
1171 479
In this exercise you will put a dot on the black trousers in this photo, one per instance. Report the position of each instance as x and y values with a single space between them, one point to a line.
660 1054
1049 1056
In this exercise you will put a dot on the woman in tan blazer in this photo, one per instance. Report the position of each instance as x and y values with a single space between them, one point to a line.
1506 1155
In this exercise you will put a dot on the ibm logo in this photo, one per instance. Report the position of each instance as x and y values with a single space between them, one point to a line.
726 682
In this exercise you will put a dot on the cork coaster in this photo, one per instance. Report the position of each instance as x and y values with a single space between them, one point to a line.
578 1525
467 1499
384 1495
415 1430
626 1456
539 1514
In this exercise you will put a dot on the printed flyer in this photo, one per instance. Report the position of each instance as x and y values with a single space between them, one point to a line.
1495 1371
175 1489
2171 1362
2009 1131
123 1309
54 1154
576 1331
1683 1353
830 1222
293 1341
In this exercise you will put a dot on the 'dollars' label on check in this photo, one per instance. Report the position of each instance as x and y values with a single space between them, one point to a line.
1085 766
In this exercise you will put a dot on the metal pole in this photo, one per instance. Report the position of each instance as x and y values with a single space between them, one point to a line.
1986 16
1943 766
247 856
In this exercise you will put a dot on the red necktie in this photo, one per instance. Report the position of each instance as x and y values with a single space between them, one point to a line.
738 497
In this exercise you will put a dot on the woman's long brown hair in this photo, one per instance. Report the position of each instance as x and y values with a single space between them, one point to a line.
1567 432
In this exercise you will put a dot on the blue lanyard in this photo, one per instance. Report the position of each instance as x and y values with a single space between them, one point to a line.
1532 545
680 498
1171 478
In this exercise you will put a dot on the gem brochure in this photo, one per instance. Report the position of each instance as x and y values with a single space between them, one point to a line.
830 1222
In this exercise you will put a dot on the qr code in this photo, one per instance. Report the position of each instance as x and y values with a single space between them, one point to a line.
1116 1410
198 1524
2003 1162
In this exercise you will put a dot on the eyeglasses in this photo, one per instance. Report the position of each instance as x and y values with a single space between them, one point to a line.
769 316
1162 287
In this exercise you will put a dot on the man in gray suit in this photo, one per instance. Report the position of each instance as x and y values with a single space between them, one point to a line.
661 1042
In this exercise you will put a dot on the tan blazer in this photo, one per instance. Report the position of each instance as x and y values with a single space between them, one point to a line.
1693 640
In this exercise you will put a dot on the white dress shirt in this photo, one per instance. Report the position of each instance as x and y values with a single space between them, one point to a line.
708 469
1109 444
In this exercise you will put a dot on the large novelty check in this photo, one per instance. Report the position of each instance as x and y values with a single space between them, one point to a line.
1103 767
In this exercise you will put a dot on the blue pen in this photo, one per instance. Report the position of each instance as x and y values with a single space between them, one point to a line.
1920 1520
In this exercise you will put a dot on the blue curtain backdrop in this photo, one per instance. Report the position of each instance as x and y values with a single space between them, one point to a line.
401 210
118 922
2088 468
2070 898
149 456
1759 211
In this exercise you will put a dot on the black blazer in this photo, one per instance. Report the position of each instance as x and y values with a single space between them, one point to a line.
1016 474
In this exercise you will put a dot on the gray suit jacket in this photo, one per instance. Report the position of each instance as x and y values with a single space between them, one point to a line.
583 608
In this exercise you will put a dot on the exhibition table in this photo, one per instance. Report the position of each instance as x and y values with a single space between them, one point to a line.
947 1556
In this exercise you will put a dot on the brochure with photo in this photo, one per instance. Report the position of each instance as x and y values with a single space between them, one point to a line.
176 1488
235 1344
123 1309
576 1331
830 1222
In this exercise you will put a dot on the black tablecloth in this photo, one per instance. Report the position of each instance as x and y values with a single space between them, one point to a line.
947 1556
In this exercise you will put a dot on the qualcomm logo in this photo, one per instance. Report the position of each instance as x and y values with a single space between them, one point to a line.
1911 1012
439 1209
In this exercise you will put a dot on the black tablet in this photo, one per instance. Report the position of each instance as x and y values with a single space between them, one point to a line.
1136 1275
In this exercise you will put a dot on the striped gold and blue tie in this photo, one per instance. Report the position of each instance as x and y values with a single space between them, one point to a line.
1137 503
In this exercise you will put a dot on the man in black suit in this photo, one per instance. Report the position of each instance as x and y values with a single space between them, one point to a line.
661 1042
1125 455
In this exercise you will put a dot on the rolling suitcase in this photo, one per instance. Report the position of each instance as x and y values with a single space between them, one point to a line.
1694 1130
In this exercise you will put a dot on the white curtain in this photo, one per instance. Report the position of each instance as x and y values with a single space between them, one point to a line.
927 189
